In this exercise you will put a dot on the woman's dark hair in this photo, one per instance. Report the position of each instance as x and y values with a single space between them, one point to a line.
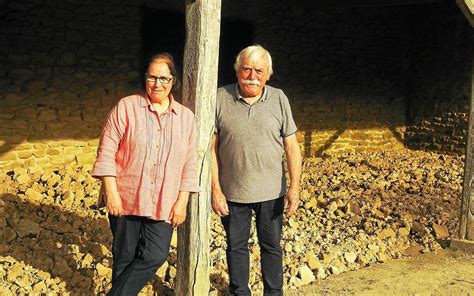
168 59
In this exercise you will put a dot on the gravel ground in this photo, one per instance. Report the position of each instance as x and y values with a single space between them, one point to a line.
442 273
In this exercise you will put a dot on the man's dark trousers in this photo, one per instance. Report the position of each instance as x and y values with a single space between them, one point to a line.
269 217
140 246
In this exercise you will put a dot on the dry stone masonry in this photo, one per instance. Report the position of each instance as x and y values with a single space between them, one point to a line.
359 78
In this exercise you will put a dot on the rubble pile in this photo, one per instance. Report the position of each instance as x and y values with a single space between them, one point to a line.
356 209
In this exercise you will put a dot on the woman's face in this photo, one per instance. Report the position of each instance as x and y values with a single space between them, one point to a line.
159 81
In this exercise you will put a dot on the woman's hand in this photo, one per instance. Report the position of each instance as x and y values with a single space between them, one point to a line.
114 204
113 201
178 211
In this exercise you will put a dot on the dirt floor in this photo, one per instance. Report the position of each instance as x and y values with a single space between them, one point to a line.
446 272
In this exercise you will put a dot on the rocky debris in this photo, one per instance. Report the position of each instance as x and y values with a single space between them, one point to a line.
306 275
414 250
356 209
440 231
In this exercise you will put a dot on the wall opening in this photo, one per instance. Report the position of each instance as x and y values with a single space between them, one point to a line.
163 31
166 31
235 35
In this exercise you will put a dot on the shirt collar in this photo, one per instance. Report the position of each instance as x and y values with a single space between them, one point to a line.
238 97
145 102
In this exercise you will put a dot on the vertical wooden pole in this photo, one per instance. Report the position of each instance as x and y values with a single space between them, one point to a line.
199 93
467 8
466 226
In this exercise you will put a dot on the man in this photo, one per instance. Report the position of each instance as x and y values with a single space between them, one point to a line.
254 125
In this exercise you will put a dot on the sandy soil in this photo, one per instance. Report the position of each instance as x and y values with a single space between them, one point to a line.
443 273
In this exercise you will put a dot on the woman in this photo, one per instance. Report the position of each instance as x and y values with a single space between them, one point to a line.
147 163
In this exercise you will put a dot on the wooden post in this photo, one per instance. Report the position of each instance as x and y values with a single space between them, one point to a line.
467 8
466 226
199 93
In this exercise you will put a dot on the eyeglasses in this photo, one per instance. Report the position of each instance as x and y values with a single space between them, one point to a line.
161 79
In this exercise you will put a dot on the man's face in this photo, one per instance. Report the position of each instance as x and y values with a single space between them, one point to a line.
252 77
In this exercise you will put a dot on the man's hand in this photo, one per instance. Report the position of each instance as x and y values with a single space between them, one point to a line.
292 200
114 204
178 211
219 203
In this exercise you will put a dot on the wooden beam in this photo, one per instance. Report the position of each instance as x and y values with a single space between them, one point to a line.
467 8
466 225
360 3
201 55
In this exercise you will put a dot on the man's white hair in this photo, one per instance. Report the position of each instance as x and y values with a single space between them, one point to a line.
253 53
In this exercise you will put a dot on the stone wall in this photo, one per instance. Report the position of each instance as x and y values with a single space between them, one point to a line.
442 47
65 64
344 69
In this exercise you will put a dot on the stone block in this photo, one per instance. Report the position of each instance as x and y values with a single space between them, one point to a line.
7 115
93 143
306 275
88 150
21 74
9 156
68 58
18 58
85 158
8 165
71 119
68 96
33 194
56 127
23 146
413 250
26 112
403 232
440 231
53 151
35 86
74 143
57 161
48 115
89 117
350 257
23 178
386 233
357 135
40 146
314 263
161 272
69 150
28 228
39 127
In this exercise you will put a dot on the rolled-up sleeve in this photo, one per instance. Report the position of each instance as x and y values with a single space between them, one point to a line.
189 179
109 143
